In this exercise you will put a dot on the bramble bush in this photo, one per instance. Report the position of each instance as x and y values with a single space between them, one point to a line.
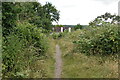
99 40
21 48
33 36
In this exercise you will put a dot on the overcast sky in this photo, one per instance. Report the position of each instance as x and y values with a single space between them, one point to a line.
73 12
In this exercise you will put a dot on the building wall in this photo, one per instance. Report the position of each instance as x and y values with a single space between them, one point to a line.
61 29
57 29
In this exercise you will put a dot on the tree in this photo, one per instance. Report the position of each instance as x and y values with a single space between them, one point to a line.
13 12
34 13
78 26
9 16
45 15
106 18
50 14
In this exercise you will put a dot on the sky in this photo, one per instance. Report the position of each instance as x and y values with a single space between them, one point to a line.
74 12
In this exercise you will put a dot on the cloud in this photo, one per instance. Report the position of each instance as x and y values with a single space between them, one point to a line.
107 2
82 11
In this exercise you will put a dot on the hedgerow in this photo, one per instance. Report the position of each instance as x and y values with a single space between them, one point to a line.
99 40
21 48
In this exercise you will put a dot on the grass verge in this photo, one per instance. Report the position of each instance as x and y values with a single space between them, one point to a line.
44 68
78 65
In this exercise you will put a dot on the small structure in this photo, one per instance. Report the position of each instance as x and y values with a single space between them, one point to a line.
69 29
61 29
56 29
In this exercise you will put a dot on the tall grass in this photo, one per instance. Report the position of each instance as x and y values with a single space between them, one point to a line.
76 64
0 50
22 50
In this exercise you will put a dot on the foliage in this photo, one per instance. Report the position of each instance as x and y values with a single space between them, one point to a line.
78 26
21 48
79 65
59 35
106 18
33 35
24 38
101 40
35 13
58 26
51 12
56 35
9 16
45 15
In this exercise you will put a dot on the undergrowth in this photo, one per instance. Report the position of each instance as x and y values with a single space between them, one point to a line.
25 53
76 64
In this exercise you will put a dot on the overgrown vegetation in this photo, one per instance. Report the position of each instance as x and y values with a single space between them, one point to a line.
78 26
59 35
25 42
21 48
106 18
90 52
99 40
28 47
33 12
79 65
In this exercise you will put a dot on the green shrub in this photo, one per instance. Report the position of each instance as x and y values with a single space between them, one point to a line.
55 35
99 40
58 35
78 26
33 36
21 48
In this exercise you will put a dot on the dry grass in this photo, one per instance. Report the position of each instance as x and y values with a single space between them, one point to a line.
77 65
44 67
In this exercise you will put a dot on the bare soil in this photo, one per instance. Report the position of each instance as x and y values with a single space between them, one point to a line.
58 64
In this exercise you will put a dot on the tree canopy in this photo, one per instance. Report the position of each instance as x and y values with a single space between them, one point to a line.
106 18
78 26
32 12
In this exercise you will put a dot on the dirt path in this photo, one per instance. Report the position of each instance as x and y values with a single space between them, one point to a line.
58 64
